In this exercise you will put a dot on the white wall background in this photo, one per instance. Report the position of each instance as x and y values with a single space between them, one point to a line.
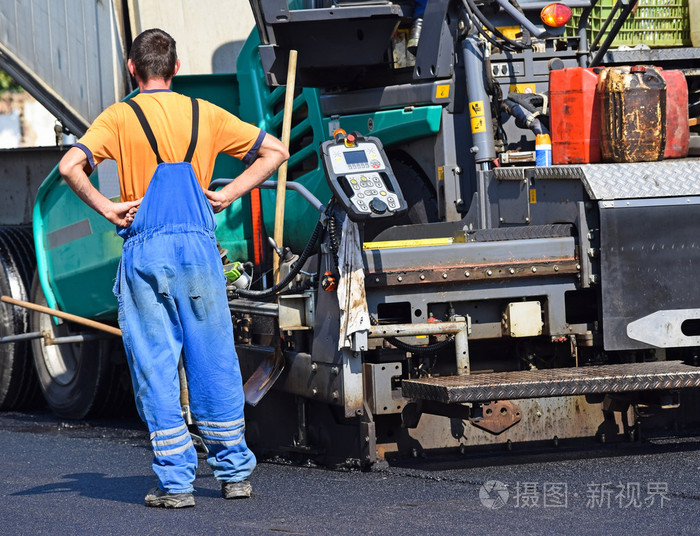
85 67
209 33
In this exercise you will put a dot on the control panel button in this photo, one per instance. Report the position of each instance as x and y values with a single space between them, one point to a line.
378 206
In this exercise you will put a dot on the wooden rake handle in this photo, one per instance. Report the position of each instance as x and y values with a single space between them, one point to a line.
66 316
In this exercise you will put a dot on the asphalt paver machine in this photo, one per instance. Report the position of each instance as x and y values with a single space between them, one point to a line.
437 288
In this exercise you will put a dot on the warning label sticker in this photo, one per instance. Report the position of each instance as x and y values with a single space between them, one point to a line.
476 108
442 91
478 124
522 88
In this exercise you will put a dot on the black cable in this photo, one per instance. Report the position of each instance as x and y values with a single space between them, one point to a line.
477 24
420 349
415 349
334 241
296 268
526 38
498 44
509 43
494 89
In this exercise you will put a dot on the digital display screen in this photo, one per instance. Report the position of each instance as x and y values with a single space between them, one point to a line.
355 157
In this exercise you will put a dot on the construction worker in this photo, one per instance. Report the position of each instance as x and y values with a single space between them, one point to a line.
170 283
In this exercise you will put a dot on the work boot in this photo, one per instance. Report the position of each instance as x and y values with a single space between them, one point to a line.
236 490
414 35
157 498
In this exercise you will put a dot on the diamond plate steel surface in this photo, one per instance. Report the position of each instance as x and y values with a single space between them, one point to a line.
554 382
639 180
509 174
557 172
650 56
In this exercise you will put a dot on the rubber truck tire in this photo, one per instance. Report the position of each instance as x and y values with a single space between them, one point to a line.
19 387
79 380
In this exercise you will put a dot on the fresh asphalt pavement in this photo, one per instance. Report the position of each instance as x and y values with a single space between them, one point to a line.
90 478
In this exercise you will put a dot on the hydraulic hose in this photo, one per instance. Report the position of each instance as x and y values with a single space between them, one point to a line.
477 24
532 102
296 268
528 111
524 118
420 349
509 44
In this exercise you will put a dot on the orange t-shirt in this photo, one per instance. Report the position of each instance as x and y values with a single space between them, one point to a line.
117 134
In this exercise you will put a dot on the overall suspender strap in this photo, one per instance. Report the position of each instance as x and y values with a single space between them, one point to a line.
146 129
151 137
195 130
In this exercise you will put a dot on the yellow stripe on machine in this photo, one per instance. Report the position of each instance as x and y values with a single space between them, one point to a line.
388 244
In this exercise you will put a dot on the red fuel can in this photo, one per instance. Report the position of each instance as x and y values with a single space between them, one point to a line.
677 131
574 116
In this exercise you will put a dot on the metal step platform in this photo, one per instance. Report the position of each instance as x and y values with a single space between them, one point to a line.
554 382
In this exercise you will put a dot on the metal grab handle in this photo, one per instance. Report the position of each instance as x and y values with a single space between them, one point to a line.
459 326
270 185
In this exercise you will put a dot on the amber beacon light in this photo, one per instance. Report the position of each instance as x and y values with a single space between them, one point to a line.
555 15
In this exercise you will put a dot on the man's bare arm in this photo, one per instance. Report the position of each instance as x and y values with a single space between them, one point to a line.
271 155
72 168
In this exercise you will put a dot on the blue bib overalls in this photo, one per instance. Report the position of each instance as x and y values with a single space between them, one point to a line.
172 301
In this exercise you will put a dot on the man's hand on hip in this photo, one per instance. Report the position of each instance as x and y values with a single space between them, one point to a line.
122 214
72 168
218 199
271 154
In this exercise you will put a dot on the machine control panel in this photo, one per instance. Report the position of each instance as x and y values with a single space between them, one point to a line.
363 156
361 178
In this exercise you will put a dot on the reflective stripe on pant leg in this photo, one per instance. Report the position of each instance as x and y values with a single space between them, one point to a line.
211 363
229 456
153 341
171 441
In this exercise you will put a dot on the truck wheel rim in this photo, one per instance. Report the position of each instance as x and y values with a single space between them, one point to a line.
60 360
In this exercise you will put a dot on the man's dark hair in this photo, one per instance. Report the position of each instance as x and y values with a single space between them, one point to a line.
154 55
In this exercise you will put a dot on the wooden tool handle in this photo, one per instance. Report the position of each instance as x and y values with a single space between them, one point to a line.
282 172
66 316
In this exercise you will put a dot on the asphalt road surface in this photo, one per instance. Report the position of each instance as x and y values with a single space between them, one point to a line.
61 478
